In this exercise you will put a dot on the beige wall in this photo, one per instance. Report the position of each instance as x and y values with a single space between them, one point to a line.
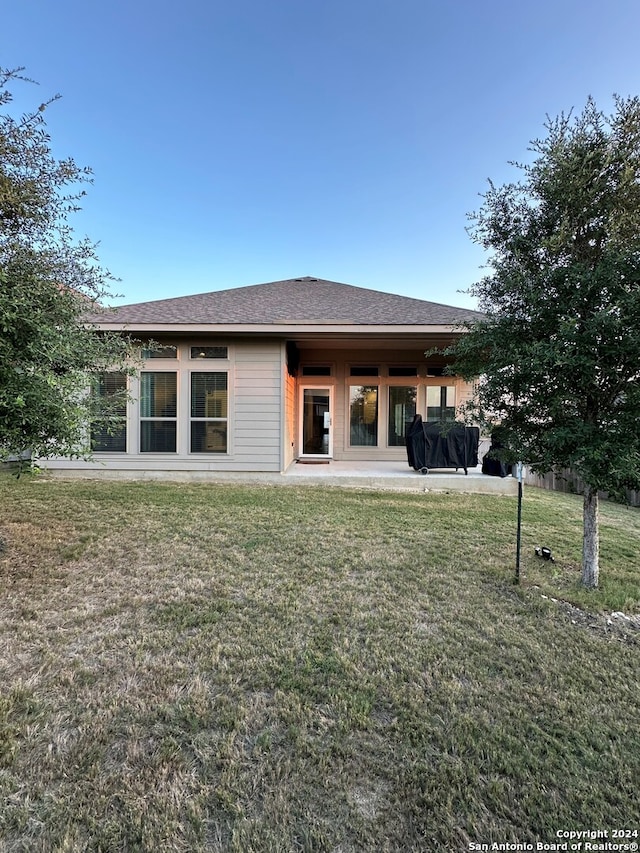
264 406
255 427
290 418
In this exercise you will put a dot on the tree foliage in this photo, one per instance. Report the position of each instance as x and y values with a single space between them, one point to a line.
556 359
49 281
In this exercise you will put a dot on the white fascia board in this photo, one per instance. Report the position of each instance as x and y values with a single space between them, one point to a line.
277 328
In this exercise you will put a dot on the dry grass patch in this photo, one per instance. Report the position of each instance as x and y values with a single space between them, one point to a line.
266 669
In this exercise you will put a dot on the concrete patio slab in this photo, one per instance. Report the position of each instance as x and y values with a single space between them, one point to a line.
393 476
398 476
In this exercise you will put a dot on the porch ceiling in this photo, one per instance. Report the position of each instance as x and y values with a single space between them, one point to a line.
368 342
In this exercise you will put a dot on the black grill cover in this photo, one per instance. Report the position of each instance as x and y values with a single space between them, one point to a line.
439 445
490 464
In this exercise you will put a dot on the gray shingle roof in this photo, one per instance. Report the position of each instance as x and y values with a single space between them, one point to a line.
300 301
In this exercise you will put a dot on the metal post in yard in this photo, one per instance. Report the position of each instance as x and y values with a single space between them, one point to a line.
519 475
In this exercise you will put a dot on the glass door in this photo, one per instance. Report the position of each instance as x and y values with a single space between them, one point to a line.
316 423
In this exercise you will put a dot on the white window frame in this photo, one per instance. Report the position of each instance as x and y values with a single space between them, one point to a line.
206 419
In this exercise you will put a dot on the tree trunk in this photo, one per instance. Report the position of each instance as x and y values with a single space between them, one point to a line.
590 538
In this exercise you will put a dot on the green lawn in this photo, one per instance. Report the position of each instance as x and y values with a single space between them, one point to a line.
248 668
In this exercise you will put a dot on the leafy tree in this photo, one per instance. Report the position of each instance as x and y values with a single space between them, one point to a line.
556 359
49 281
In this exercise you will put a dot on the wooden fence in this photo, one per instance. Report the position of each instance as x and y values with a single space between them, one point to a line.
566 481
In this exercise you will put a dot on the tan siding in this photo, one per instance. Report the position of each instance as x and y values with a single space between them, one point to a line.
256 376
249 390
255 414
249 408
464 392
257 391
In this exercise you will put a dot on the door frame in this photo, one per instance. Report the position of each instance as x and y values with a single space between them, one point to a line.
315 387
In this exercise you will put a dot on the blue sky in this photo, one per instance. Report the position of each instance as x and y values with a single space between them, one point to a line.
253 140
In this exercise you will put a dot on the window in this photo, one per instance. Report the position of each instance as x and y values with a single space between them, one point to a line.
159 352
111 437
316 370
402 408
364 370
403 371
209 352
363 415
441 402
209 404
158 410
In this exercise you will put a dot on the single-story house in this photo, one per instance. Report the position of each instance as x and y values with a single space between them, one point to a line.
255 378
